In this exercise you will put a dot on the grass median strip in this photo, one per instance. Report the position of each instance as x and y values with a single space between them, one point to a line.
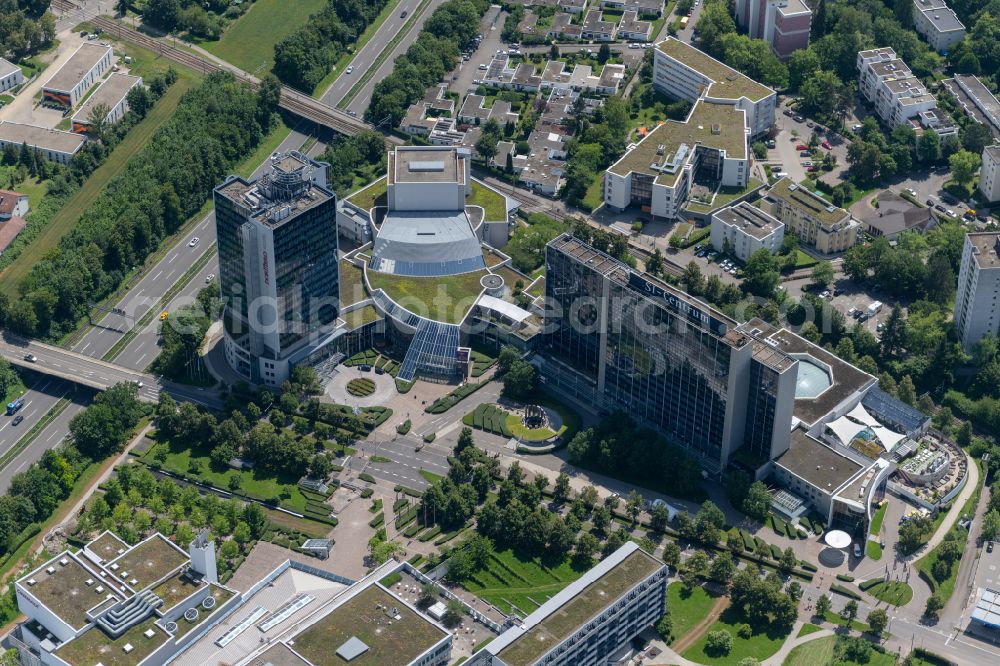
195 268
32 434
384 55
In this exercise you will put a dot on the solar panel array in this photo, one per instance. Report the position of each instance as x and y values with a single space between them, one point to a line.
426 268
893 411
433 351
987 608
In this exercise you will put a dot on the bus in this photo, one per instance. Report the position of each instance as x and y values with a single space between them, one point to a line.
12 407
684 22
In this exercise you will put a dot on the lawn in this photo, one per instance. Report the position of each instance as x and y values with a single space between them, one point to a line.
249 42
493 203
894 592
64 220
873 548
444 298
725 196
821 651
371 196
360 317
352 288
593 198
803 260
760 645
254 483
513 580
687 608
808 629
14 392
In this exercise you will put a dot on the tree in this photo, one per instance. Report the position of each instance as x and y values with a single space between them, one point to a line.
822 274
464 440
761 274
633 504
934 604
720 642
506 358
671 555
697 564
788 560
664 627
894 333
929 147
519 380
586 546
963 166
818 89
562 491
907 392
604 53
976 136
850 611
659 517
823 605
991 524
878 620
721 569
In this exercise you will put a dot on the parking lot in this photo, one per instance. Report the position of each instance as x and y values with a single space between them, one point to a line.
793 131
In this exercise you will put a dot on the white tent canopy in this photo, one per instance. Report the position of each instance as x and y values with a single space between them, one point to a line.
888 438
837 539
861 415
845 429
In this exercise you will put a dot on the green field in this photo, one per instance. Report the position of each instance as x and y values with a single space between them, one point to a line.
64 220
760 645
493 204
513 580
687 608
894 592
820 652
249 42
446 298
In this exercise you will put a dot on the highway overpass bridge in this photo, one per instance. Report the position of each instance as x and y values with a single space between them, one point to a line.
98 374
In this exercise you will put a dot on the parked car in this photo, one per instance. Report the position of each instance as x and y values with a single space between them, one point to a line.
810 123
802 146
805 153
929 202
788 112
798 119
812 169
826 144
857 550
989 546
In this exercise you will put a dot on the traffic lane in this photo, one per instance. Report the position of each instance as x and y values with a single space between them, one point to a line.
140 352
463 76
360 102
363 59
44 393
49 437
148 292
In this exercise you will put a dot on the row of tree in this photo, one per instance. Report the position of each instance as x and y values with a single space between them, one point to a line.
305 57
201 18
434 53
215 125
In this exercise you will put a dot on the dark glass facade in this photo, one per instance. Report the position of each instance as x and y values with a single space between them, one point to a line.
229 218
762 396
572 326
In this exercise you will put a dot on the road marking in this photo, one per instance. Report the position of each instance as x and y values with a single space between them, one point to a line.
171 259
158 274
84 348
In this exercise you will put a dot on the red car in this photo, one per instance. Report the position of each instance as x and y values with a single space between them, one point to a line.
802 146
812 169
826 144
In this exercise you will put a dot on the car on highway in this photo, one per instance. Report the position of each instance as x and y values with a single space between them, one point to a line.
164 315
352 113
193 241
403 15
17 419
350 69
31 358
209 277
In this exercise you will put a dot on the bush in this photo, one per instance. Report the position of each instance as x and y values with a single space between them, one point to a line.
377 520
845 578
404 427
846 592
365 476
719 643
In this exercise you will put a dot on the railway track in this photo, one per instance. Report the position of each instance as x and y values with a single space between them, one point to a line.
291 100
64 5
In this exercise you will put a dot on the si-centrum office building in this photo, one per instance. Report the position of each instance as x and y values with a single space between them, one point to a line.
619 339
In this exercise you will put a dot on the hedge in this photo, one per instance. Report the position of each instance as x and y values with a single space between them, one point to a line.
845 578
841 590
808 566
404 427
377 520
412 530
932 658
869 584
431 533
748 542
367 492
365 476
445 403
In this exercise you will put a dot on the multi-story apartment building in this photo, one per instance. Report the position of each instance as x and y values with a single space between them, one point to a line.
657 174
989 174
10 75
784 24
744 229
619 339
978 102
898 96
591 619
937 24
682 71
812 218
976 310
278 268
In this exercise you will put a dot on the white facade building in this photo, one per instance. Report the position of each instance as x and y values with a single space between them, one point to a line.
989 174
54 145
937 24
10 75
745 229
657 173
898 96
84 68
113 94
682 71
976 309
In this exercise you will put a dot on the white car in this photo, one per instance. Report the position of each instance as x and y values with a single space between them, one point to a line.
193 241
350 69
209 277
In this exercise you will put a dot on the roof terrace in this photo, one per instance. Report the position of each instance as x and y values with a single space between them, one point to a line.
147 562
393 632
728 83
68 589
96 647
806 202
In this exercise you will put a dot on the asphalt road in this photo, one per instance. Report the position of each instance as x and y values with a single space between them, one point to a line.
360 102
43 393
148 292
363 59
50 436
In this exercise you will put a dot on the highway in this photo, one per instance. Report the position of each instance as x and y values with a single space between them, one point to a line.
370 51
42 394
